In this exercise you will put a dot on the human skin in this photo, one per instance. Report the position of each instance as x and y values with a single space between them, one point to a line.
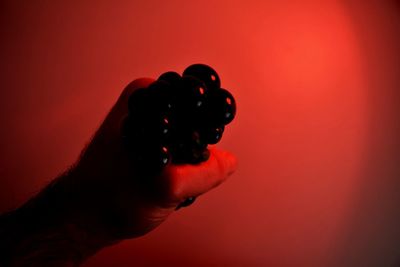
102 199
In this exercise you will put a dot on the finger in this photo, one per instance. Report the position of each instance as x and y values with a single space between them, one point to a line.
120 109
122 101
112 123
189 180
107 139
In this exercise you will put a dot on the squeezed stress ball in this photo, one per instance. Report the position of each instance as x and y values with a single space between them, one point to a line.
176 117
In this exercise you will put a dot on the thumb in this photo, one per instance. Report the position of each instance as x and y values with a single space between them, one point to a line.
187 180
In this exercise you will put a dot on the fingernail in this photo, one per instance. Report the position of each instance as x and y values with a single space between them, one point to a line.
187 202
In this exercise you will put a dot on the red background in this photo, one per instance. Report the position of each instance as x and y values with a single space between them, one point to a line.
317 131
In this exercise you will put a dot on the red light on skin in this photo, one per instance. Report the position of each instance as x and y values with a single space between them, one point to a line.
201 89
165 149
166 120
229 101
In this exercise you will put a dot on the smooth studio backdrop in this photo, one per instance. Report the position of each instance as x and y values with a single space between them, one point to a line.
317 131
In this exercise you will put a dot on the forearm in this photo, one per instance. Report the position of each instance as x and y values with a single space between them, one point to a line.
39 245
48 230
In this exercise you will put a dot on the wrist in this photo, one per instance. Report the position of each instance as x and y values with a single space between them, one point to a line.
52 226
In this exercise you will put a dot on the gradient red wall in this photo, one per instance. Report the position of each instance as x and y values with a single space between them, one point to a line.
317 132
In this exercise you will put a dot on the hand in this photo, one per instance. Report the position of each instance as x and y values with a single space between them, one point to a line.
120 201
102 199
